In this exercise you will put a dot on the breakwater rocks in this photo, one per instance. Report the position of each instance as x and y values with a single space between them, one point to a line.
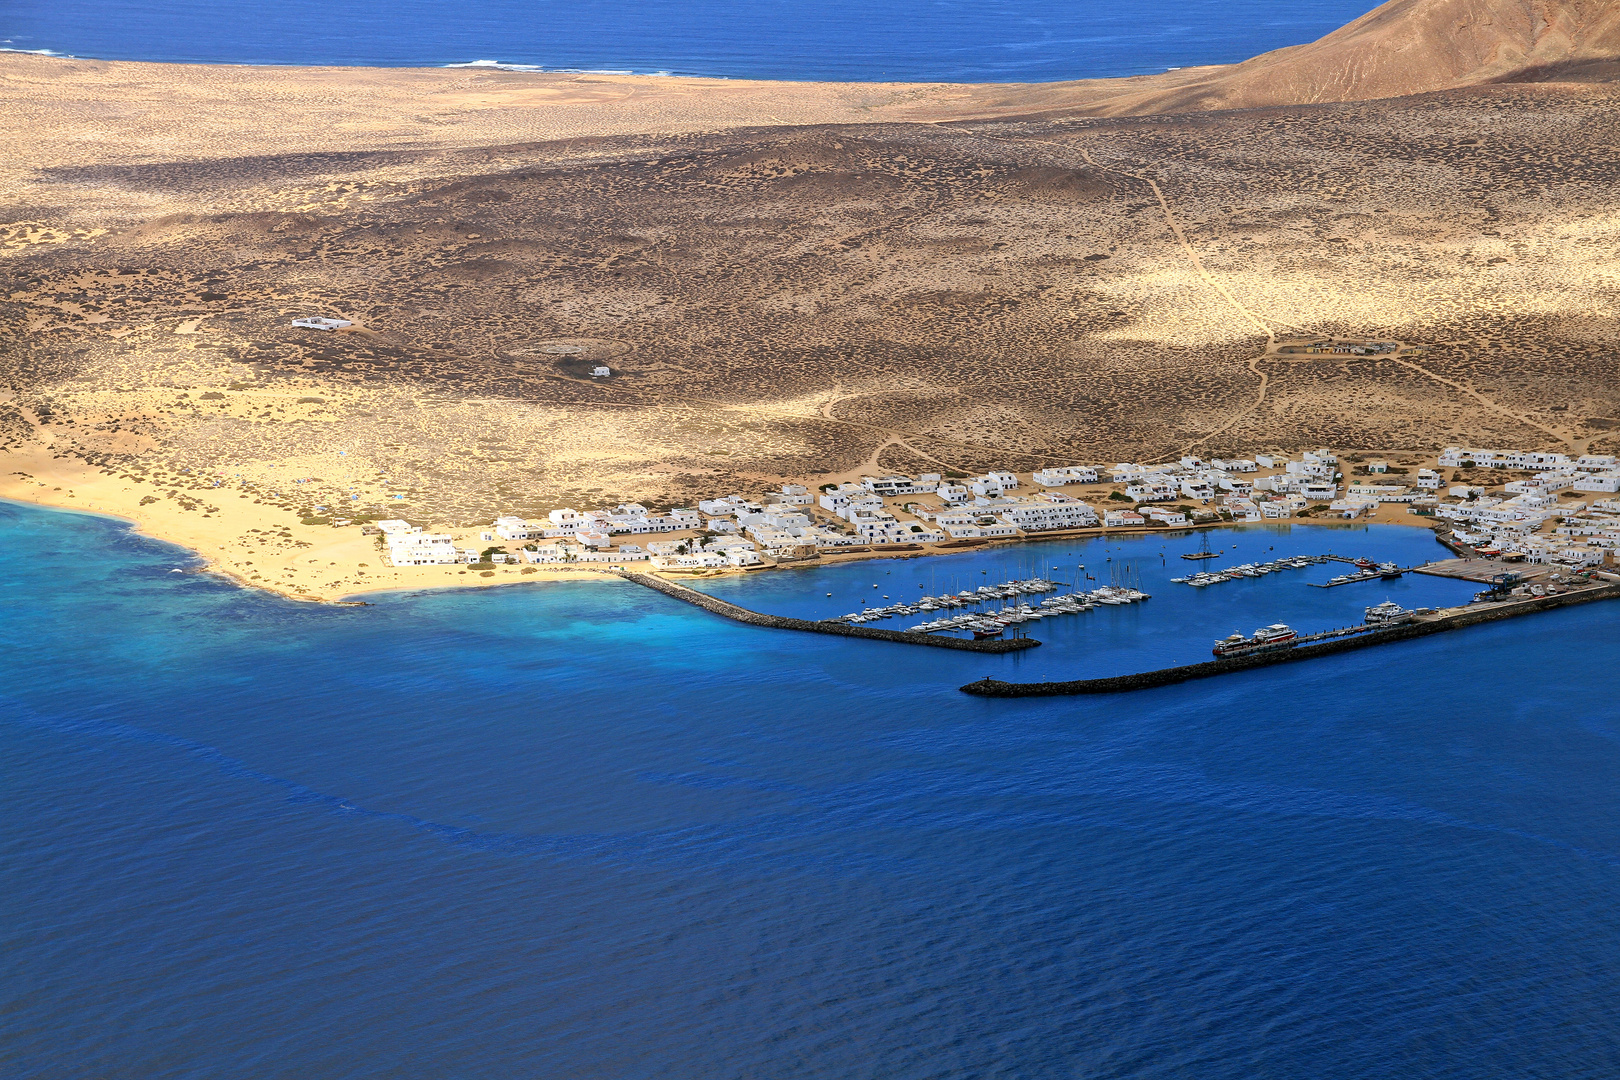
778 622
1166 676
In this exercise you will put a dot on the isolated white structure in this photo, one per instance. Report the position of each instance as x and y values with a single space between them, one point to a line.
322 324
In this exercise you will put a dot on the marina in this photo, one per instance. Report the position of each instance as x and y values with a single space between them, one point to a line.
979 643
1366 570
1250 570
1087 623
1281 645
985 622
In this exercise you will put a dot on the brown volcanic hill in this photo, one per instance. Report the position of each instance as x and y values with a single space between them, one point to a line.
1403 47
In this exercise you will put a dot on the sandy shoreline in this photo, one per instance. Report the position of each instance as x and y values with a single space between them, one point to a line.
262 546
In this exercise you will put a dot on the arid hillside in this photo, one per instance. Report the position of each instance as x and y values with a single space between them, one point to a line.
793 280
793 302
1401 48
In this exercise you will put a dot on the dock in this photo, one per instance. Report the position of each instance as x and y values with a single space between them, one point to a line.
1483 570
1365 575
731 611
1439 622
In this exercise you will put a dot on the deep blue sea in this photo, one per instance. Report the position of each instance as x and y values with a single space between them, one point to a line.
583 830
857 40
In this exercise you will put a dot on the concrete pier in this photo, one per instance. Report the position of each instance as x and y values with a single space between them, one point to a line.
1482 570
838 629
1447 619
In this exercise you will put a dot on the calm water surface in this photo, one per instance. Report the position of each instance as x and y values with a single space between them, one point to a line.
951 40
583 830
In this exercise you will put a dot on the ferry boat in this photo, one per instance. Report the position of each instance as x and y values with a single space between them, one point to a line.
1388 571
1275 636
1387 614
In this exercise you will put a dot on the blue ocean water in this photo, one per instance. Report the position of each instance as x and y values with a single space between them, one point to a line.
582 830
856 40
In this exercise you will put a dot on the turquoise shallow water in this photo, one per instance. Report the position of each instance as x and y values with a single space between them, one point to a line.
584 830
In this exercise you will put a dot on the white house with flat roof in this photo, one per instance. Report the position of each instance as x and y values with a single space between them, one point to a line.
1047 511
421 549
1067 474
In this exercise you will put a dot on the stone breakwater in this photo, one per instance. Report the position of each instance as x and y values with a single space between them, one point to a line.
778 622
1166 676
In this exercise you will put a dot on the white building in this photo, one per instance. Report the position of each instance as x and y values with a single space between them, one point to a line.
416 548
1169 517
838 499
557 551
1603 483
1068 474
515 528
967 532
900 484
992 484
1154 488
1049 511
1197 487
564 522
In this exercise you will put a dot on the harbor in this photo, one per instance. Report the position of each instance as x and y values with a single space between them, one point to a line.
984 621
737 613
1309 646
1102 606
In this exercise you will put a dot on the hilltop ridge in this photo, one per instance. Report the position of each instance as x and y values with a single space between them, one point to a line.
1401 48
